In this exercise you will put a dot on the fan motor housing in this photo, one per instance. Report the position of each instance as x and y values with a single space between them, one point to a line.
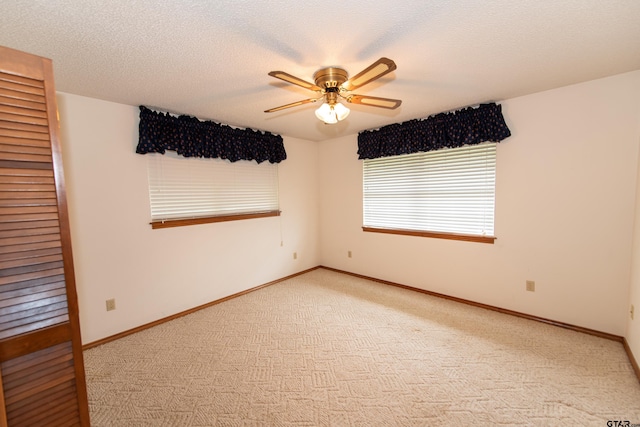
330 77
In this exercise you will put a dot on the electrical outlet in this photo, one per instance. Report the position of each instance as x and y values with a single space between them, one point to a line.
349 254
531 286
111 304
295 255
632 311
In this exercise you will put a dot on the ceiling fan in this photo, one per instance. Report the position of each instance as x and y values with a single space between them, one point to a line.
333 84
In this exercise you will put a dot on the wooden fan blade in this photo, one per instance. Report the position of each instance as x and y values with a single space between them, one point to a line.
294 80
374 71
293 104
374 101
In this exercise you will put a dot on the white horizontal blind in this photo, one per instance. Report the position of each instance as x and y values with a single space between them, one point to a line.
449 190
188 187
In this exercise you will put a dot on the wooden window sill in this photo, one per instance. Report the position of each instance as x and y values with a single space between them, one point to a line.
209 219
437 235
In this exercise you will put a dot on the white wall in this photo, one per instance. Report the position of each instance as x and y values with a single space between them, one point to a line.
566 183
633 325
156 273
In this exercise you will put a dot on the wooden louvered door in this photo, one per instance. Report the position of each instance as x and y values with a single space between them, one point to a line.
41 365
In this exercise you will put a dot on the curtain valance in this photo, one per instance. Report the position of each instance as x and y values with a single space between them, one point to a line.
191 137
445 130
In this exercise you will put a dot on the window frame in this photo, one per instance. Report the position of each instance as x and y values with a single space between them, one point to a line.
168 223
434 234
460 236
155 161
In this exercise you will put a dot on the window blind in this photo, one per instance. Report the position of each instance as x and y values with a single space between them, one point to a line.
190 187
449 191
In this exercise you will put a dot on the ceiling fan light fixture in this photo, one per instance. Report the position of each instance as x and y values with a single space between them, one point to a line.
331 114
341 111
325 114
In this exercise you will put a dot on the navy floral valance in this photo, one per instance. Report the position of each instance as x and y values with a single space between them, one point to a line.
445 130
191 137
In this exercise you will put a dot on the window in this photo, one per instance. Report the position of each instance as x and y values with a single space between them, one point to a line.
189 190
448 193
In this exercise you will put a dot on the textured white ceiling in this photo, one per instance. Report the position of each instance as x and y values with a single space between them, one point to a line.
210 58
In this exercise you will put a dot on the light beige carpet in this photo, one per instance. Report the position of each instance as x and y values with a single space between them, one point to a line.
328 349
